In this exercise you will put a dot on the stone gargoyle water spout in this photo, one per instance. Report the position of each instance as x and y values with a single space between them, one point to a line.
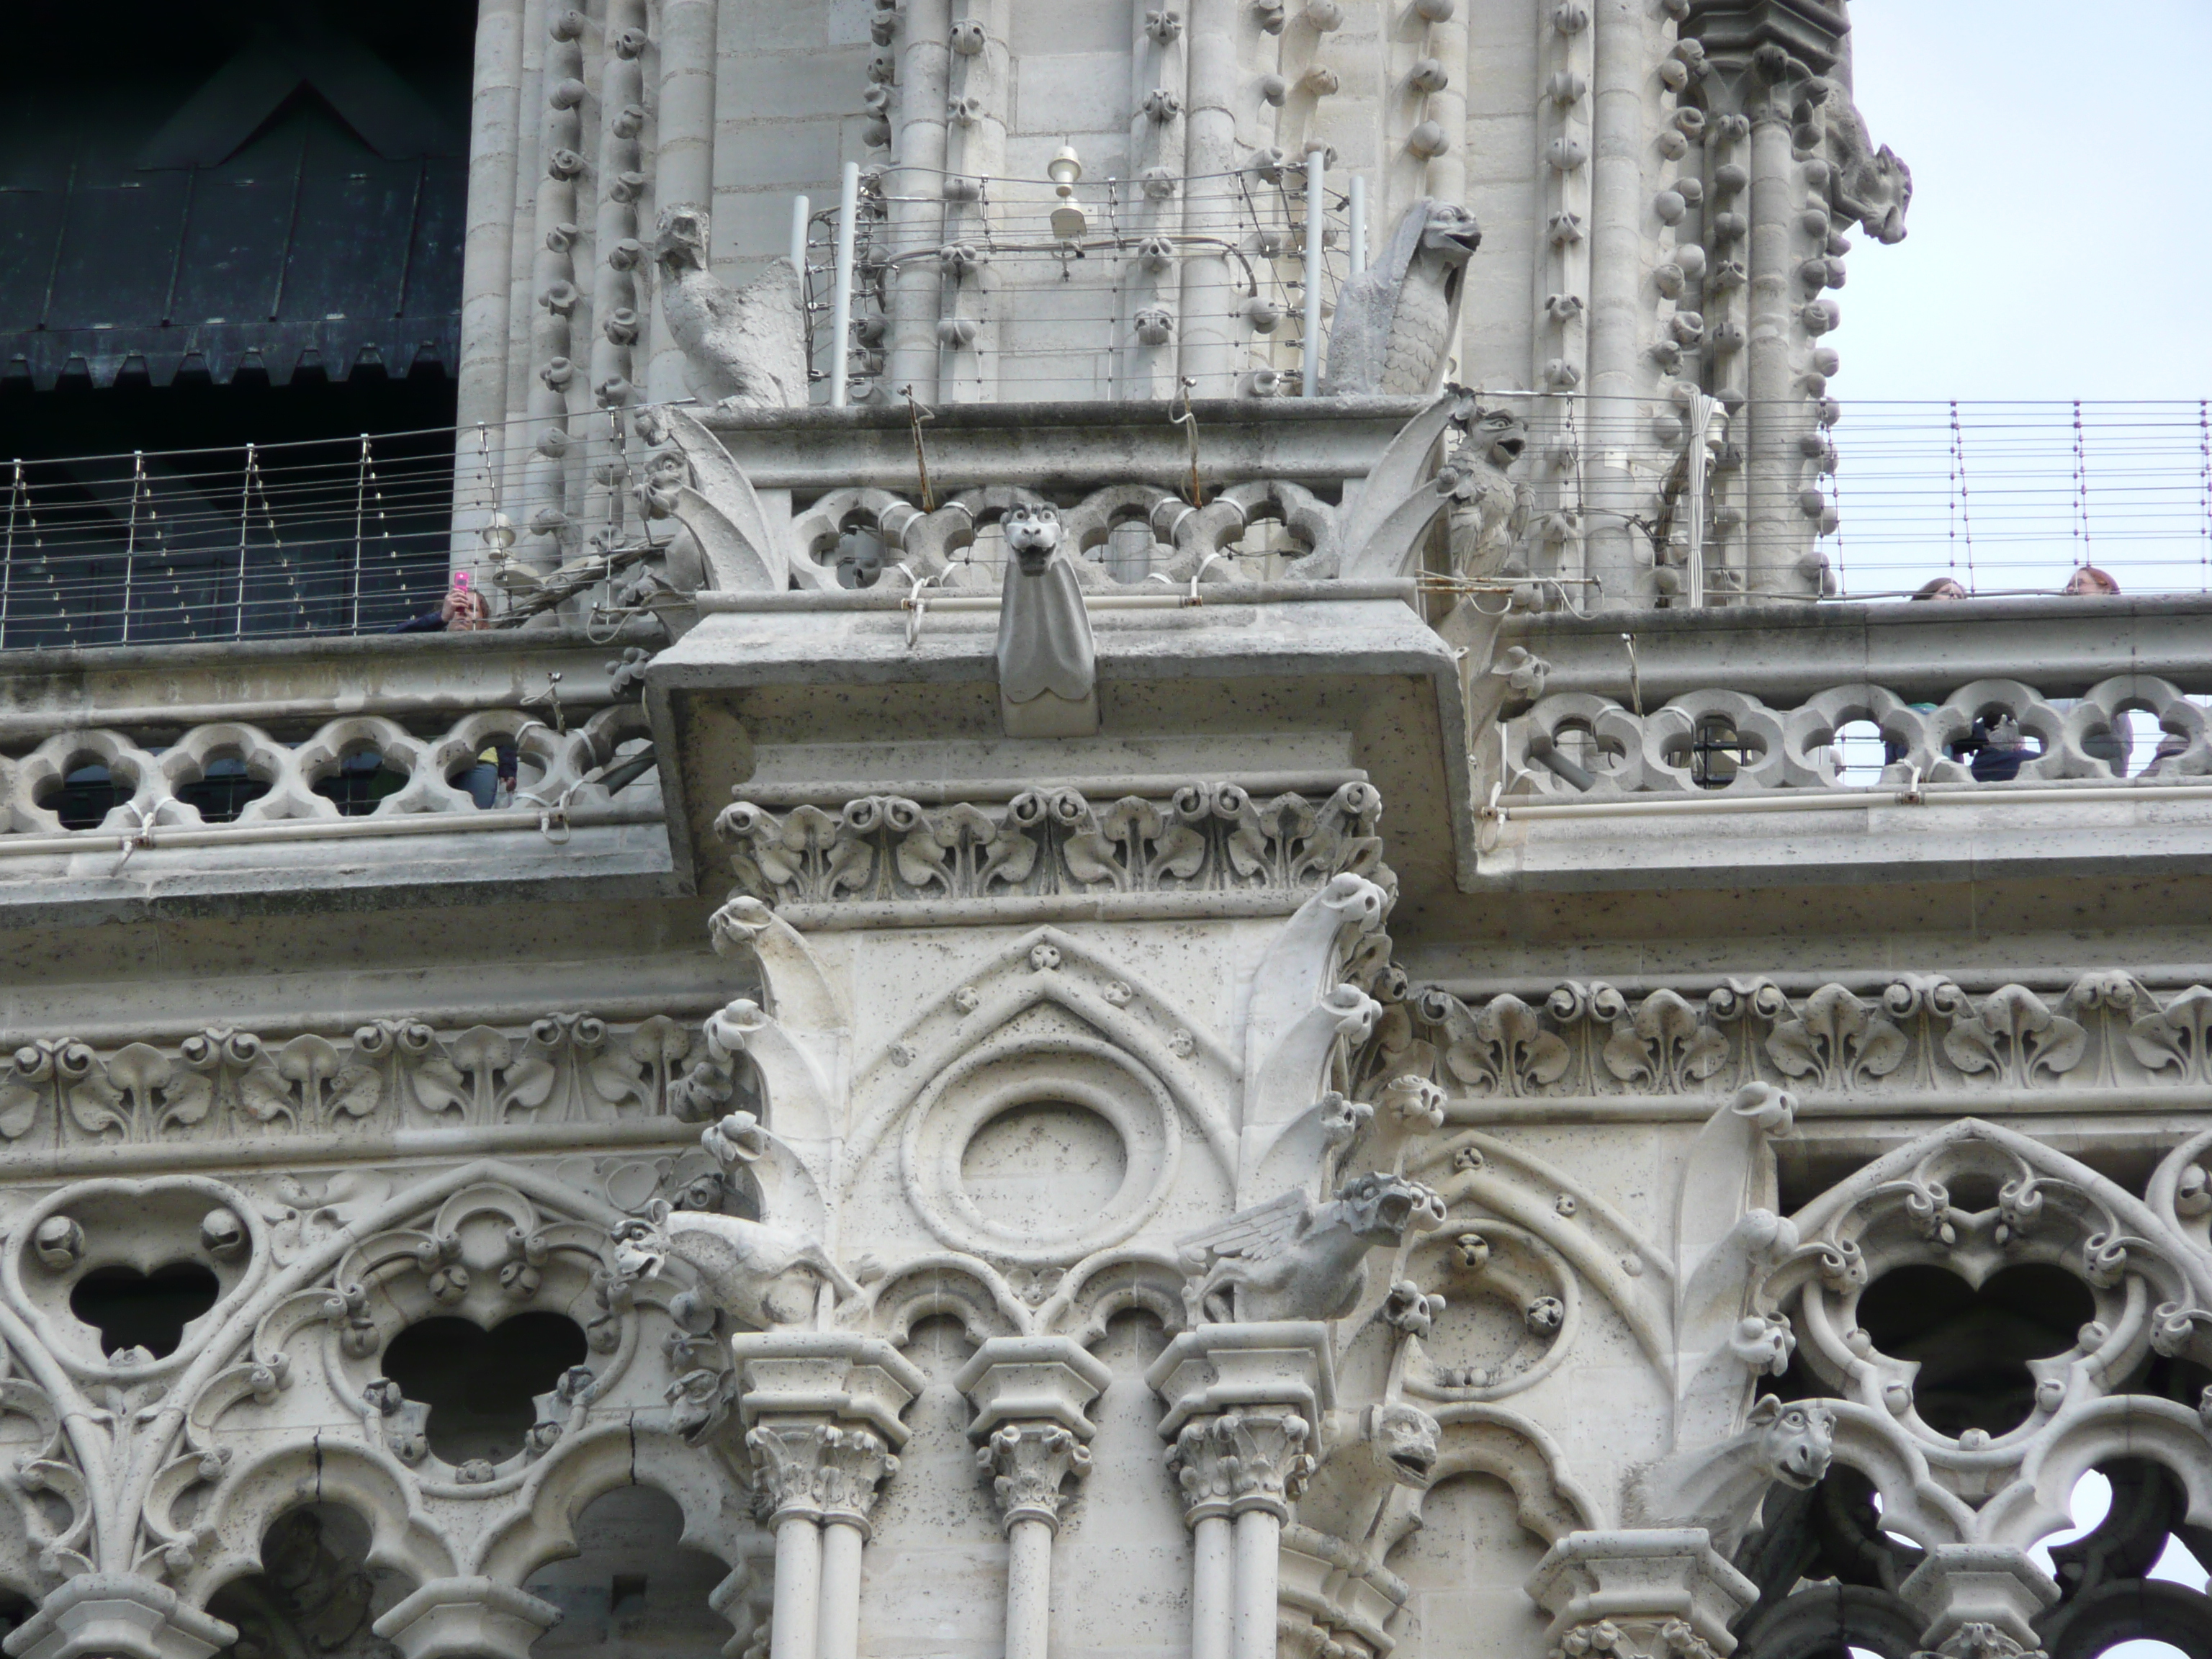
1048 663
1296 1257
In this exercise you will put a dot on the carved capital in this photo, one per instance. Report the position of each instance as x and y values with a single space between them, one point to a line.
1242 1460
829 1471
1028 1462
1659 1593
1979 1602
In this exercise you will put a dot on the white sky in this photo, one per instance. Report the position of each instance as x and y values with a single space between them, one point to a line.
2062 174
2059 249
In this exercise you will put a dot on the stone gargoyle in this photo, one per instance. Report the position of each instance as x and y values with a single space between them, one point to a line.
741 1264
1871 186
1047 663
1397 322
1296 1257
744 348
1721 1486
1489 511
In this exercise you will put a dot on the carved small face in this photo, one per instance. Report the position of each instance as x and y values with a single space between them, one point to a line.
1796 1441
1383 1207
641 1249
1032 532
1406 1441
681 244
1452 231
1500 435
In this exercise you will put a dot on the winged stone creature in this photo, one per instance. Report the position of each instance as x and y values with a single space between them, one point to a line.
1297 1257
1490 512
741 1264
1397 322
744 348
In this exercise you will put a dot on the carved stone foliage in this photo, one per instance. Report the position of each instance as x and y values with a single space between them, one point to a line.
1918 1033
391 1074
1207 838
1620 753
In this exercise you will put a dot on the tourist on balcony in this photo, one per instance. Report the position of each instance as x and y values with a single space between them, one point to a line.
462 611
1942 587
2088 582
490 780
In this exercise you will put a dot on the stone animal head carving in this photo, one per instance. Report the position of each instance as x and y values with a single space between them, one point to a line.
1499 436
1452 231
1032 532
1879 192
1405 1442
682 243
1381 1209
1795 1441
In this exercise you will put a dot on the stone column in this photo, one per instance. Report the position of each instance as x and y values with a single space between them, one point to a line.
495 146
1659 1592
1244 1406
1030 1395
1979 1601
1776 527
1209 337
821 1412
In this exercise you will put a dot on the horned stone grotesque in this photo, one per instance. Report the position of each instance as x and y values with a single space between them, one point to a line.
1298 1258
743 348
1048 663
1397 322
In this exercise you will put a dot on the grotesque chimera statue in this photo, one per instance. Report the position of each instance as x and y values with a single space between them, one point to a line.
743 348
1398 320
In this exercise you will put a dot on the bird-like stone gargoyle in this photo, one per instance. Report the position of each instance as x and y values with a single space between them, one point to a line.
1397 322
744 348
1047 663
1489 511
1298 1258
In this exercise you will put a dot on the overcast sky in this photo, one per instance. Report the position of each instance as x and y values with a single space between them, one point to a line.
2062 174
2058 250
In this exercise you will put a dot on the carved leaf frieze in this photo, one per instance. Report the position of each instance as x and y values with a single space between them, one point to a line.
1205 837
1918 1033
392 1073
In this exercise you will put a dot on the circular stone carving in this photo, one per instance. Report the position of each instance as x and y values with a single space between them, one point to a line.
1041 1151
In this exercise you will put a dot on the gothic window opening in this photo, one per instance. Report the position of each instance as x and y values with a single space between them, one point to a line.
632 1590
135 1309
1973 1345
482 1386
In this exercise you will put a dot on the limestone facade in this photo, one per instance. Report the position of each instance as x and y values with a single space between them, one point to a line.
1139 1026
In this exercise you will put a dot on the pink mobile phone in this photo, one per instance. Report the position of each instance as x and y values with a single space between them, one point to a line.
463 581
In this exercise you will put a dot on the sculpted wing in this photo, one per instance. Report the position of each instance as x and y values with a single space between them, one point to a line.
1254 1235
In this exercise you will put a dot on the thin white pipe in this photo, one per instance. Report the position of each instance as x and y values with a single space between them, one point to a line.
838 1634
1843 800
1310 351
801 208
797 1609
1358 215
1212 1593
841 300
1028 1589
